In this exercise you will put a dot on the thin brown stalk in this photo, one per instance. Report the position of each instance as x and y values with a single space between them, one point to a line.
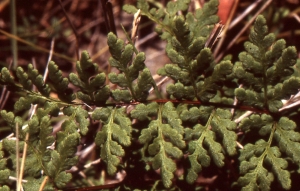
244 29
14 46
225 29
244 14
73 28
17 155
111 18
44 183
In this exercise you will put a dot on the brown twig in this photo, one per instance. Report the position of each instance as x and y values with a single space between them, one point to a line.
23 162
73 28
233 41
43 183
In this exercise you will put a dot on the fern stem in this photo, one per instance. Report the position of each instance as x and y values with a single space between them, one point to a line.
207 125
158 22
51 99
129 40
260 164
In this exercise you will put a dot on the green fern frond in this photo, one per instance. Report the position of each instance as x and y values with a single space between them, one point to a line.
37 80
129 71
11 119
60 83
4 171
6 77
278 167
93 90
288 139
206 18
24 79
144 112
266 74
78 120
115 132
24 103
222 125
194 114
255 158
144 84
262 122
163 138
159 15
203 145
190 60
63 158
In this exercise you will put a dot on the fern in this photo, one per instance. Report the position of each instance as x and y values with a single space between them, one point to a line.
121 59
162 140
91 83
170 142
115 132
272 70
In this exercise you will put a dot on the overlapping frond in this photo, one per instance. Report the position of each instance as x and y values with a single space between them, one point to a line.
131 68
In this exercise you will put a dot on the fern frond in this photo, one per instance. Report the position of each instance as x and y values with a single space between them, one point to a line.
78 120
63 158
115 132
6 77
129 71
163 137
4 171
256 158
288 139
256 176
24 79
266 74
37 80
60 83
203 145
93 90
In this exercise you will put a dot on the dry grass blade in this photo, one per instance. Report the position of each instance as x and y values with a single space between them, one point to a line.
38 48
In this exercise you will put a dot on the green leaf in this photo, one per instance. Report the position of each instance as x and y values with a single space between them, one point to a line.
278 167
288 139
121 95
4 174
163 139
115 132
266 74
130 9
62 179
224 127
23 78
38 81
144 112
